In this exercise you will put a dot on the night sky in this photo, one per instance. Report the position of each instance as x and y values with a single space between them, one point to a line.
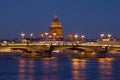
89 17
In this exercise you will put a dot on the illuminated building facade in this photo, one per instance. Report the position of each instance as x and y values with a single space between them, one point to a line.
41 35
70 36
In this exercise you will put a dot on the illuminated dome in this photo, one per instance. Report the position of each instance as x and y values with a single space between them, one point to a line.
55 23
56 27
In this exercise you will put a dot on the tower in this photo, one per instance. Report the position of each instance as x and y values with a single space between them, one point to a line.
55 29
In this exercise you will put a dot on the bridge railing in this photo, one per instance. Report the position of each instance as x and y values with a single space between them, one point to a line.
59 43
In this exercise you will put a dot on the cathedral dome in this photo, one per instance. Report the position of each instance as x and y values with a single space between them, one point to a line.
55 23
56 28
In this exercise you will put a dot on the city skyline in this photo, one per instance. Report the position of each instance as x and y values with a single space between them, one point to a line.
83 17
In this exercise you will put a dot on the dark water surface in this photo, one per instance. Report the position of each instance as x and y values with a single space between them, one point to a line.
60 69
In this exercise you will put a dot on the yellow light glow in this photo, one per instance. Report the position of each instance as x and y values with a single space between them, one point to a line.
31 34
22 34
102 35
82 36
109 35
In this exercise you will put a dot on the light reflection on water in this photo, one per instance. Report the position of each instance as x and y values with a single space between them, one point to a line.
22 70
31 70
78 71
26 70
105 69
60 69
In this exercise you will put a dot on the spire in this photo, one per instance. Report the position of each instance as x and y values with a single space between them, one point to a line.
55 17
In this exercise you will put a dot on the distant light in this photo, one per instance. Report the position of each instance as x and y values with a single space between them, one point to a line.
31 34
5 42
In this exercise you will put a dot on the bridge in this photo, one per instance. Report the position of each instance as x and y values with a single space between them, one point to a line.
58 45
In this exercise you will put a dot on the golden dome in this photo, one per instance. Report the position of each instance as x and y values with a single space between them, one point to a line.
56 27
55 23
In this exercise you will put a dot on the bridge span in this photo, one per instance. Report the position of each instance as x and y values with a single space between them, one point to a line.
62 49
57 46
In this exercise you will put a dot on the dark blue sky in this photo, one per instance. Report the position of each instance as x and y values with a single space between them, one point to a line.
90 17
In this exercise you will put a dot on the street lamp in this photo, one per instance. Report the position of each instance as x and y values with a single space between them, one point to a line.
46 34
22 35
31 35
76 36
109 36
102 36
82 37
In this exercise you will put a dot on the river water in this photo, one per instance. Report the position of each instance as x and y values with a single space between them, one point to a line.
59 68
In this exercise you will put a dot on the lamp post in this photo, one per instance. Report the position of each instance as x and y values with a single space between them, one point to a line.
22 35
109 36
76 37
102 36
31 35
82 37
46 36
